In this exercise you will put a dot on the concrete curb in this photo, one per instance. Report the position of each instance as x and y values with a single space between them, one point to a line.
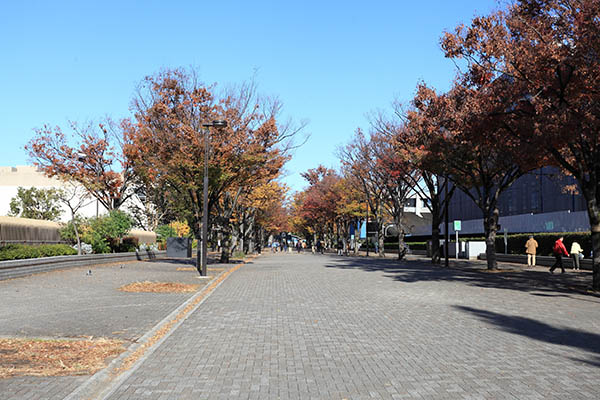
103 383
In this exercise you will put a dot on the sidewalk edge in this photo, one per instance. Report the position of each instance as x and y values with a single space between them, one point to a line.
103 383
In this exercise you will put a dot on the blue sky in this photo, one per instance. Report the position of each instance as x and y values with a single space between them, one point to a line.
330 62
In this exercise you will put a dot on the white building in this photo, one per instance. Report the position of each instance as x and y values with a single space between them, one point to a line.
11 178
415 204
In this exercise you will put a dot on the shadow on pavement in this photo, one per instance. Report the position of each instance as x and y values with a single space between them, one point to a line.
541 331
537 283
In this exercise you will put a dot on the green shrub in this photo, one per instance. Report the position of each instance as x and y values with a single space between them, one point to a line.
105 232
417 245
23 251
165 231
394 245
67 231
129 244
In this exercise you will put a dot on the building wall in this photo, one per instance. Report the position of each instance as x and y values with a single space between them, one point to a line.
536 202
11 178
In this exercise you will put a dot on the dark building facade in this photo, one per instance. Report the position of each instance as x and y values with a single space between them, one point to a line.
539 192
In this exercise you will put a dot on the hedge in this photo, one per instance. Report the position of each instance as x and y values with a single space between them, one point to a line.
394 245
516 243
22 251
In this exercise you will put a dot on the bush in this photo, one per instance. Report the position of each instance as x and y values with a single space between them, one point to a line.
165 231
23 251
129 244
105 232
417 245
67 231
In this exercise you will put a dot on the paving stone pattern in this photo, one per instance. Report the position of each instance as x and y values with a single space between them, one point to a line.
324 327
70 303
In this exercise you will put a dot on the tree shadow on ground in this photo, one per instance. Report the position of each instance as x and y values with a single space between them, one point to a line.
192 261
536 283
541 331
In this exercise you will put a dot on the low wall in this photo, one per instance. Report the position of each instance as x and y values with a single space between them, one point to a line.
586 263
18 268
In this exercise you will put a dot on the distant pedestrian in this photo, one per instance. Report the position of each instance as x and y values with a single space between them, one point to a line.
319 247
576 253
559 250
531 250
340 247
298 247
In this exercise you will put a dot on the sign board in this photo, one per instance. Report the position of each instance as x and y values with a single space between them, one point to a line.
457 225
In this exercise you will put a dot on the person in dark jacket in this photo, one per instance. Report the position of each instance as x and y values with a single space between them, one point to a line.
559 250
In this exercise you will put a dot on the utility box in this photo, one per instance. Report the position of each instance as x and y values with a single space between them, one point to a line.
179 247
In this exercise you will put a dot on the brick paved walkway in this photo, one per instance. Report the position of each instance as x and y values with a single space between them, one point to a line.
70 303
324 327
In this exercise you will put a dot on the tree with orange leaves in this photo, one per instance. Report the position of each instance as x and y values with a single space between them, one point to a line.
548 50
260 211
471 147
166 144
96 162
359 160
319 203
350 208
411 132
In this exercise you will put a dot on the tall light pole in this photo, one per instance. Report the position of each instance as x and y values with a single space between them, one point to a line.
203 259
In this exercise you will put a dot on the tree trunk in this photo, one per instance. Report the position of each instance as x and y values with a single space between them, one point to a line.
399 215
596 257
490 222
251 236
436 220
242 233
77 237
199 252
380 237
401 245
225 243
594 217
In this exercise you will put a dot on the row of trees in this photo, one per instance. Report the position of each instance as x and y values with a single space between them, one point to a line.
527 96
153 162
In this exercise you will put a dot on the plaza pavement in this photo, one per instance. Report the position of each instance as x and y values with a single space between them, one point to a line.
308 326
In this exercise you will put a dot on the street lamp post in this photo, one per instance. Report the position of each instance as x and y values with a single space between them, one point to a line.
203 259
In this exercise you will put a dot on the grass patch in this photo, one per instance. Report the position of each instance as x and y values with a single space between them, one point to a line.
33 357
159 287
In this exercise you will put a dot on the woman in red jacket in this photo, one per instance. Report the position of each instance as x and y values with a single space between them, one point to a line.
559 251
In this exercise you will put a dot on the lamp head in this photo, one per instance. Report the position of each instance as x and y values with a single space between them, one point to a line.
219 123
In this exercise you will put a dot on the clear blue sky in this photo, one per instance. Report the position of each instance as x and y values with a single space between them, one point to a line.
330 62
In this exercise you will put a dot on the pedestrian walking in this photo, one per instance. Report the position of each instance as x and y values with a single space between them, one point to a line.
559 250
340 248
298 247
576 255
531 250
